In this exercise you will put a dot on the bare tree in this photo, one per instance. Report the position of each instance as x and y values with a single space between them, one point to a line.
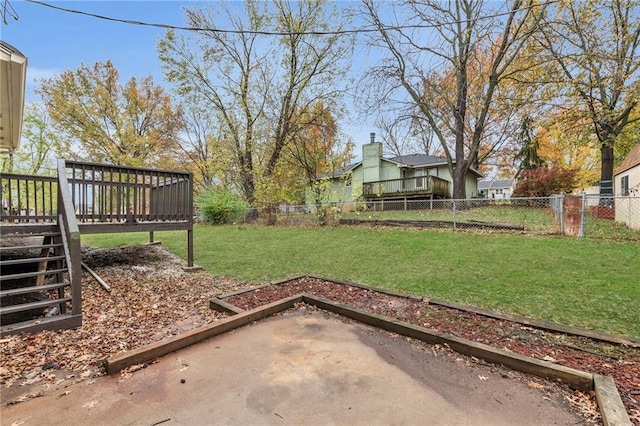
406 134
595 47
448 61
253 83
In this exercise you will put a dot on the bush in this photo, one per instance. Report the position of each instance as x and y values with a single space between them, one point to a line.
220 206
544 181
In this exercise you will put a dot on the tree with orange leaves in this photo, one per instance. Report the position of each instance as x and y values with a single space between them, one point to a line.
134 124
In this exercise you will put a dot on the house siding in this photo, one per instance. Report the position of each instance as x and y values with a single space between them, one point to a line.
627 208
375 168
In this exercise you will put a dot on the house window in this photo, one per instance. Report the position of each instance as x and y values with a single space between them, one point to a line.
624 185
432 172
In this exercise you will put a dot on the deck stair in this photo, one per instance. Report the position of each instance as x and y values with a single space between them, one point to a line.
34 279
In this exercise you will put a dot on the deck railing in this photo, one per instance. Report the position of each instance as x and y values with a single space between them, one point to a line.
114 194
29 199
70 235
417 185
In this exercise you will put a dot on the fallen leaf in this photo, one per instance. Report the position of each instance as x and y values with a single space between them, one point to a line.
536 385
484 378
89 405
20 422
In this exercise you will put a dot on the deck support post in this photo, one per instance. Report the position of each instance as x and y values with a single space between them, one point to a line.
150 237
190 248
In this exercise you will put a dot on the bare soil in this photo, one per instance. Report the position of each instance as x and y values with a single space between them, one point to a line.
153 298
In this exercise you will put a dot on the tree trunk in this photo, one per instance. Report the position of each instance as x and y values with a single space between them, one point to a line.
459 181
606 175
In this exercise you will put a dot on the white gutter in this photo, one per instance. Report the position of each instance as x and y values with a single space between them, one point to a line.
13 77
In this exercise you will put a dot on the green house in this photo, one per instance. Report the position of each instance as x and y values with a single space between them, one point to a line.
405 177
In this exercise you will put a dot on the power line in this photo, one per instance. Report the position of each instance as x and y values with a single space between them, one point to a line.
273 33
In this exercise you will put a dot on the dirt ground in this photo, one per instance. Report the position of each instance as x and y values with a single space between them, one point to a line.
152 298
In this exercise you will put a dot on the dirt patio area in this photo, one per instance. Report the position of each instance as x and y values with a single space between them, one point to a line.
305 366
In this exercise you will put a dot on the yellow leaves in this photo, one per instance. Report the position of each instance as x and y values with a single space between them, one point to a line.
562 144
130 124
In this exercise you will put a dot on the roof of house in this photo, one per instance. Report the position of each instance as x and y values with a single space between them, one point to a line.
630 161
413 161
495 184
418 160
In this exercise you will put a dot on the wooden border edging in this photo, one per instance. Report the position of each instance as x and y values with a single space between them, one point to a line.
577 379
367 287
247 290
316 277
617 339
172 344
609 401
542 324
222 306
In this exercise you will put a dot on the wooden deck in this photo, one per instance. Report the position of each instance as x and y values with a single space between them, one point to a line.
85 198
414 187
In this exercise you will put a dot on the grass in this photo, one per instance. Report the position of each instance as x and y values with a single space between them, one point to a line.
583 282
537 220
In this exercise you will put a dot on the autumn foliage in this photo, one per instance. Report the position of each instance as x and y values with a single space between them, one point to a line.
545 181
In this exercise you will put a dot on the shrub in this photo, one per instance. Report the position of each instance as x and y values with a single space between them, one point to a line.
544 181
220 206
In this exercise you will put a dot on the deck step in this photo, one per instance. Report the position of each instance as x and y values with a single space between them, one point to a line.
30 260
25 229
31 274
32 289
55 322
33 234
32 247
33 305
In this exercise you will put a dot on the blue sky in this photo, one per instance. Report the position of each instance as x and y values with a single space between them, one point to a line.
55 41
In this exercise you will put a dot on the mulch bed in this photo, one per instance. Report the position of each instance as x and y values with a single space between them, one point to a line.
616 361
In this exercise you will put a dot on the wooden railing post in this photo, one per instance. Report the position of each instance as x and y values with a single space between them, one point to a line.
71 232
190 220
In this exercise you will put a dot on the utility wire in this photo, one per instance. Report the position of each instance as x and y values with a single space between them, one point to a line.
274 33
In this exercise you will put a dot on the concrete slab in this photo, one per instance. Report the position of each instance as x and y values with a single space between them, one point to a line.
303 367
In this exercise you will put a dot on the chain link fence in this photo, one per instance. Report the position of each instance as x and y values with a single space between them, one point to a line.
584 215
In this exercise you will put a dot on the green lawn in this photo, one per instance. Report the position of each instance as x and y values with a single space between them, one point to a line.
583 282
535 220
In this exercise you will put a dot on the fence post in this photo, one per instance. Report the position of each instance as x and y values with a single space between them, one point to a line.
562 214
454 214
582 214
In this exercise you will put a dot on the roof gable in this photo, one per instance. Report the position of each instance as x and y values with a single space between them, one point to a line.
630 161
